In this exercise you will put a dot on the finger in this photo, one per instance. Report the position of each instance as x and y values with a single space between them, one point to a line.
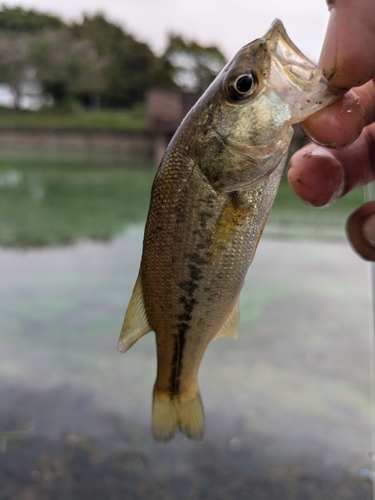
320 176
360 229
341 123
348 52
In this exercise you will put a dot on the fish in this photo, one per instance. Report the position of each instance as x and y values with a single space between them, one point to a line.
209 203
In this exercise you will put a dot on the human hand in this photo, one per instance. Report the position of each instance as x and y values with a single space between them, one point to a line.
318 175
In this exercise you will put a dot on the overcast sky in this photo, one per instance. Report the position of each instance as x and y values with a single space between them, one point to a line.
229 24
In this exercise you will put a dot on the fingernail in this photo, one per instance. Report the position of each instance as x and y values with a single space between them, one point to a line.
369 230
328 55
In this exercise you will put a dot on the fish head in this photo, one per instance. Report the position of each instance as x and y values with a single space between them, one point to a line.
246 114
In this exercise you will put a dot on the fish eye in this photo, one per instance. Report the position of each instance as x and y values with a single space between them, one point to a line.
243 85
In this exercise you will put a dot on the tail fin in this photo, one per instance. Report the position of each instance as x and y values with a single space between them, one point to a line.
170 415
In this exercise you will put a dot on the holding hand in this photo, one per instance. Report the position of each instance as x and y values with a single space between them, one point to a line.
318 175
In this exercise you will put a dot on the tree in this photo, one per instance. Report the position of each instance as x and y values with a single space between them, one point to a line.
66 65
42 45
14 62
63 65
132 67
96 60
19 20
194 66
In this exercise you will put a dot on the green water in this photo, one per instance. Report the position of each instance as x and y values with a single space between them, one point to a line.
46 201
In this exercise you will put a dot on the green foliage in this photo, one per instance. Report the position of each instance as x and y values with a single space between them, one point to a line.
21 20
194 66
14 61
95 61
132 67
66 65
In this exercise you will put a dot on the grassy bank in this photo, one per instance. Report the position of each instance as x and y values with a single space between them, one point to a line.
129 120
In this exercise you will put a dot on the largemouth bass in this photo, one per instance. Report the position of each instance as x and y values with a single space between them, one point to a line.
210 200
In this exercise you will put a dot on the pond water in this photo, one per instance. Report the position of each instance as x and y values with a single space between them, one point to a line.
287 403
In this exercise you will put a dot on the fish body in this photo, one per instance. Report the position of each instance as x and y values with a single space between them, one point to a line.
210 200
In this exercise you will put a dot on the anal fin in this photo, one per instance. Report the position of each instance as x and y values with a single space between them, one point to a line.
135 323
230 327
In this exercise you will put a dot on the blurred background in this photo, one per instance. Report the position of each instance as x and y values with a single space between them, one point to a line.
90 95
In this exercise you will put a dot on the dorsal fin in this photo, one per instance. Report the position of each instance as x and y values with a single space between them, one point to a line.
230 327
135 323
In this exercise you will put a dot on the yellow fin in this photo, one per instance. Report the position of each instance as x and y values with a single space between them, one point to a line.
230 219
135 323
230 327
173 414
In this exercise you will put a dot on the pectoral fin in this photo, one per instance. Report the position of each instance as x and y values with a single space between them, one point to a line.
227 224
230 327
135 323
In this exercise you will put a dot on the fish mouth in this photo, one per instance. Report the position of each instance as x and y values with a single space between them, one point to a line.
295 78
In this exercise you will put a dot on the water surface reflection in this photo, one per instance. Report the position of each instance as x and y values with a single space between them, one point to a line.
287 403
45 202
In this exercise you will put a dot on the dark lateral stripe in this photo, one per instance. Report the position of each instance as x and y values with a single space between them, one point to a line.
178 351
188 303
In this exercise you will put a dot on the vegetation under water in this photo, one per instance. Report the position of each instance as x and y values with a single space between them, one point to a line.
47 203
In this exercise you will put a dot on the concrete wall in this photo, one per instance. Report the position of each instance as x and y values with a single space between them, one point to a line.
117 146
90 142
